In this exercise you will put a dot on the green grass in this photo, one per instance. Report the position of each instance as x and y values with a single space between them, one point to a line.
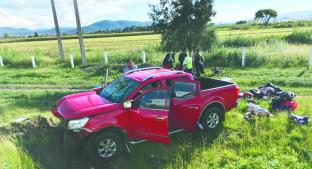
263 143
58 77
46 52
264 47
12 157
66 37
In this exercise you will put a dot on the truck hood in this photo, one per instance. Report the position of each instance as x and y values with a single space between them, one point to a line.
82 105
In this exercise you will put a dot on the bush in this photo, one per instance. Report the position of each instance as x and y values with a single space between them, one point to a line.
209 37
304 37
239 42
232 57
241 22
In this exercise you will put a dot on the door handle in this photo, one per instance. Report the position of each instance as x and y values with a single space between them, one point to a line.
193 107
160 118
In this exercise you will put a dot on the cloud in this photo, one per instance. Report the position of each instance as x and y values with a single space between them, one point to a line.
38 13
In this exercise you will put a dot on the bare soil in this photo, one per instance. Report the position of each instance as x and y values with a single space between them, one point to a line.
41 138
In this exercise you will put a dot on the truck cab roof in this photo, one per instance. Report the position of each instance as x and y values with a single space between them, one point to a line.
145 74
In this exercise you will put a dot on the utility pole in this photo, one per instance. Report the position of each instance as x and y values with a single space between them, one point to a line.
79 30
57 30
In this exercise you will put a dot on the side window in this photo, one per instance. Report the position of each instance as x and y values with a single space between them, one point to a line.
156 99
169 81
184 90
147 87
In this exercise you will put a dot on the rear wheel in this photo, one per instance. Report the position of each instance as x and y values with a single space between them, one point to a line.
212 119
104 147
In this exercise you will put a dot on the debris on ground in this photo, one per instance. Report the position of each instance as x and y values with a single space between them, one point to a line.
256 110
281 100
266 91
300 120
245 95
216 71
284 102
19 120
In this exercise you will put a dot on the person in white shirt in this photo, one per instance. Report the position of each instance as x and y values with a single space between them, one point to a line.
130 66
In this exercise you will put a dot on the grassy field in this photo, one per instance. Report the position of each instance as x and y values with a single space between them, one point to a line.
263 49
262 143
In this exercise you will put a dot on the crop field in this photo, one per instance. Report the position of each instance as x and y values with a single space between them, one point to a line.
274 142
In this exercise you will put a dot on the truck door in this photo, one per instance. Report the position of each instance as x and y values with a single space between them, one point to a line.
184 104
150 118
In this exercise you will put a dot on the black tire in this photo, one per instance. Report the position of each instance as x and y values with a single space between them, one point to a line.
212 119
104 147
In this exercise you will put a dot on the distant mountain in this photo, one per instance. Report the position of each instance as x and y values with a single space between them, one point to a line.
111 25
15 31
295 16
101 25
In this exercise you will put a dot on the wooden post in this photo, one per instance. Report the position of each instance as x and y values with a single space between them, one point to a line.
143 56
33 62
105 58
310 64
72 63
1 62
243 56
79 30
57 30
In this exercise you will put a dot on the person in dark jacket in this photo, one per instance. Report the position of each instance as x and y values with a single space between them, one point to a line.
168 61
198 63
182 56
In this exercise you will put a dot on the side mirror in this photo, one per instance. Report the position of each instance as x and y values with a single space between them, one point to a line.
98 89
128 104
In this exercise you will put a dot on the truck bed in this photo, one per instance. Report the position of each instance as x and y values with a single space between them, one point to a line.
209 83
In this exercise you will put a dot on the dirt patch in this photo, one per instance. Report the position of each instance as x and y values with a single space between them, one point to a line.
41 138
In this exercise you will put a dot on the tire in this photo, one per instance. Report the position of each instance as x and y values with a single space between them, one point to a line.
104 147
212 119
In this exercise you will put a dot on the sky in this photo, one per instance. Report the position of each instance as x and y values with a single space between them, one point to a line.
34 14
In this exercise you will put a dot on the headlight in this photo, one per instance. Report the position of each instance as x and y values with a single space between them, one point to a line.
77 124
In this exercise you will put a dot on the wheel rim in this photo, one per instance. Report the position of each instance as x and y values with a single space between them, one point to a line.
212 120
107 148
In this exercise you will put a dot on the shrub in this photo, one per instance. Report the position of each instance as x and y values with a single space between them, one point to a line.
241 22
232 57
239 41
304 37
209 37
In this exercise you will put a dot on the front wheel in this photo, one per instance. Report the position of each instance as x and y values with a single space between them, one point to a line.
212 119
104 147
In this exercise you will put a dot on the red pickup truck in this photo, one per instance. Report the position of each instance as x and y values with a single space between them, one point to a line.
147 104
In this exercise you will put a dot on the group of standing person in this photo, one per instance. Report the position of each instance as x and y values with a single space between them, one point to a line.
185 62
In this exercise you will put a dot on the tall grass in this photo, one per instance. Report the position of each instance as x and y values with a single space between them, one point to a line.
271 52
11 157
301 37
262 50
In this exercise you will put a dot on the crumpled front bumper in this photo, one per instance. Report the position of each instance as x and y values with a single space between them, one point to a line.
72 140
56 113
